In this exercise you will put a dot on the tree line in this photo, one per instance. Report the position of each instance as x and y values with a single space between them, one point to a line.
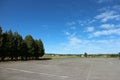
14 47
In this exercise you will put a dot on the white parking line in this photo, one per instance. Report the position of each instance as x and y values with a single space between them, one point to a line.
89 73
110 62
26 71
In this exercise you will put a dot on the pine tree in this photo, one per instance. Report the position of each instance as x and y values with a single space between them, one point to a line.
24 51
1 42
10 44
30 45
18 44
40 49
4 47
85 54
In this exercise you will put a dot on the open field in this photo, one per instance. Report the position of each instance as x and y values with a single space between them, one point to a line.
60 57
62 69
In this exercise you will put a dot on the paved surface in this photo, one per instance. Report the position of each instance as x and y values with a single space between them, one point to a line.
62 69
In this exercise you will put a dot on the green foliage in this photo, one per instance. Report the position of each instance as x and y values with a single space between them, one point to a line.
18 44
1 38
1 41
13 46
40 48
85 54
30 45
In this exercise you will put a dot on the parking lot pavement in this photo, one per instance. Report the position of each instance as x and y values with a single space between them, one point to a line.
62 69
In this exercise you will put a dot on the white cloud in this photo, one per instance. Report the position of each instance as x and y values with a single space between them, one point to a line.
89 29
82 23
67 33
77 45
108 8
107 26
108 15
103 1
92 21
71 23
70 35
106 32
100 1
105 8
74 41
72 44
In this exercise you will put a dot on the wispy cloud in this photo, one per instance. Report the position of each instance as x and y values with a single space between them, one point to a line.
67 33
106 32
109 8
94 33
108 15
107 26
82 22
90 29
71 23
74 41
79 45
92 21
103 1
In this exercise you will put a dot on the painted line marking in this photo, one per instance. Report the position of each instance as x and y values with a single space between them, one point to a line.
26 71
110 62
89 73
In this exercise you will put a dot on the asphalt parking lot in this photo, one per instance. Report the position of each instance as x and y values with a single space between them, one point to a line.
62 69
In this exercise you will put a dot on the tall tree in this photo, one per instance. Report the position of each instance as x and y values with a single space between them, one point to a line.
30 45
0 30
40 51
10 44
42 48
24 51
18 44
1 42
1 38
85 54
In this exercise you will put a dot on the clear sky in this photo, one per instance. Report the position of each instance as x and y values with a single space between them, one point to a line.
66 26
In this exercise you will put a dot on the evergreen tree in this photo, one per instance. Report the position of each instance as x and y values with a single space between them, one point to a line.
24 51
85 54
13 46
30 45
1 42
10 44
18 44
40 49
4 46
1 39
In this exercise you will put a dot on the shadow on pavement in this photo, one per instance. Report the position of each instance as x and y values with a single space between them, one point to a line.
44 59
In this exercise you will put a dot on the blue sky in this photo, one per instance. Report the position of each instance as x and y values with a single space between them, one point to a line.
66 26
